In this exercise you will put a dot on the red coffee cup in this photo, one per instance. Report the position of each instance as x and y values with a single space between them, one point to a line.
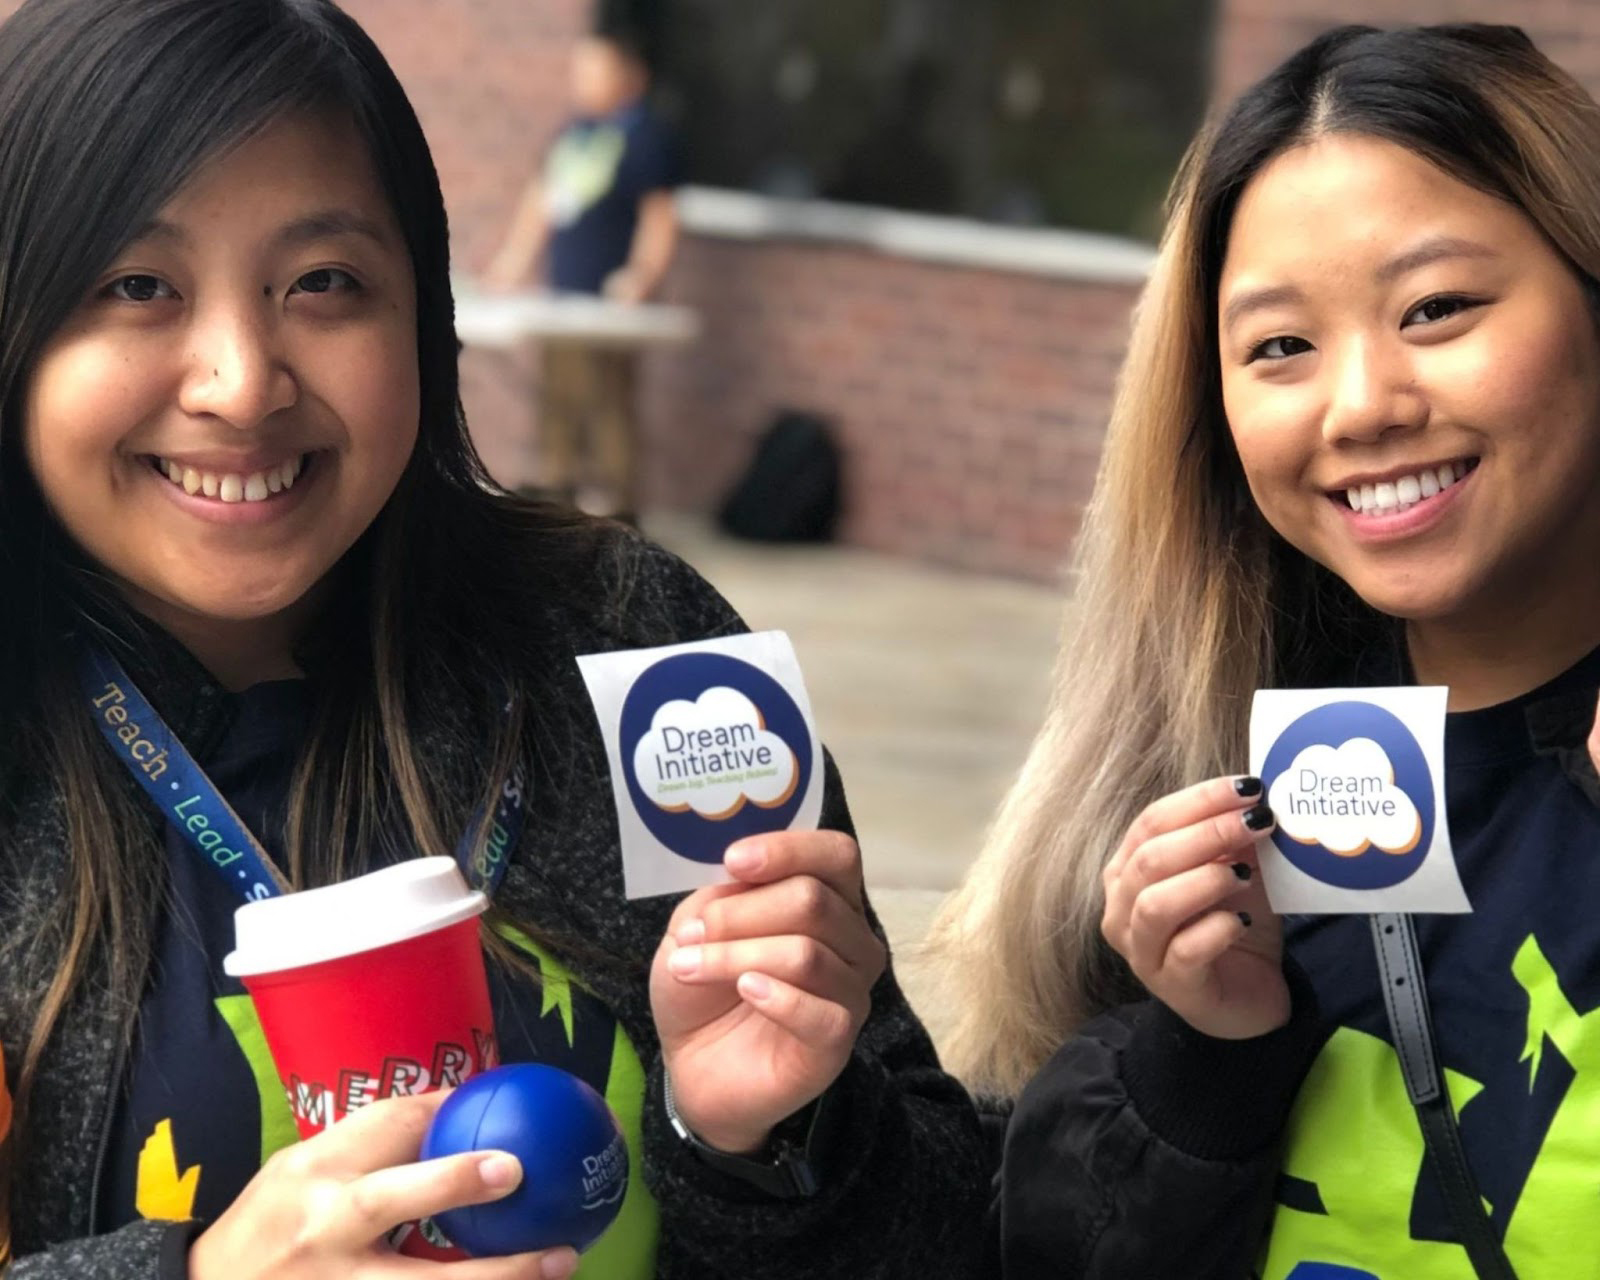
369 989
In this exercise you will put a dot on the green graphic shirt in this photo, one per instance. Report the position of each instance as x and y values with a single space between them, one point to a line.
203 1107
1515 991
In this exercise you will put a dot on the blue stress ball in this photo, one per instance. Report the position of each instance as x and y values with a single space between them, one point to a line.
574 1160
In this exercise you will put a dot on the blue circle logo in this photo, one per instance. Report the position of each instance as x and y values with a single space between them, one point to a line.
713 749
1353 796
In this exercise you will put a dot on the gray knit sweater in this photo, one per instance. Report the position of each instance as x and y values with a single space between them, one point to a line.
905 1182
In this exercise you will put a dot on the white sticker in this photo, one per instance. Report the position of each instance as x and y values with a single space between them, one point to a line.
708 742
1355 779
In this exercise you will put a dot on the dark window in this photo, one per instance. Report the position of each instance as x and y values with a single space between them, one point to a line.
1067 113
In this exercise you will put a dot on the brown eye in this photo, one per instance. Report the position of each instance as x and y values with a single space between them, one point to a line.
325 280
139 288
1280 348
1442 307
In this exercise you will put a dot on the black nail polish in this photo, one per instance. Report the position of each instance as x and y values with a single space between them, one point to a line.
1244 919
1247 786
1258 818
1242 870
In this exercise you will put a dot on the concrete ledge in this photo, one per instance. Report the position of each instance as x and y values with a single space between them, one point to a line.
963 242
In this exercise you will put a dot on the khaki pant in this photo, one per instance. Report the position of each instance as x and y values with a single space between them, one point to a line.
587 426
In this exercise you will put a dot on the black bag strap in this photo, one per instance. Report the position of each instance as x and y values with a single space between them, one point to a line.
1405 996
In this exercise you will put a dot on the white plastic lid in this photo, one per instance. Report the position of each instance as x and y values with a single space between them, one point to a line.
297 929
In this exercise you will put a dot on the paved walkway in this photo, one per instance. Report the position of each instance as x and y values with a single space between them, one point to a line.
928 686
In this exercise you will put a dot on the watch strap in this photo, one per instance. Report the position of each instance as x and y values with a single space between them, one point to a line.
784 1169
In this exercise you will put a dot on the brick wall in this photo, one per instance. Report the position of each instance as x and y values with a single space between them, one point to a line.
1255 35
970 402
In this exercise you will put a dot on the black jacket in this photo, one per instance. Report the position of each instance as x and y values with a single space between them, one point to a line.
904 1181
1146 1150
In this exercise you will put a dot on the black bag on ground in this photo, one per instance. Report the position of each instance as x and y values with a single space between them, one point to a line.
790 491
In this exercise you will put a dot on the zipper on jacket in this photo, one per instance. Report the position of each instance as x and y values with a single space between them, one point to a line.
103 1147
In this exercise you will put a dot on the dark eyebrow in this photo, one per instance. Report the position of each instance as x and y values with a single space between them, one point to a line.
156 229
325 224
1430 251
1258 299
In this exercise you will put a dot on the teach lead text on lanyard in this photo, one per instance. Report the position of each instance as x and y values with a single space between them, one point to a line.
197 810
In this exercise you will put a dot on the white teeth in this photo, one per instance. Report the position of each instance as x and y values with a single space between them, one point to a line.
258 486
1390 496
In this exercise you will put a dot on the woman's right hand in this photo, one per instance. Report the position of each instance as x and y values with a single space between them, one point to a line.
320 1210
1185 908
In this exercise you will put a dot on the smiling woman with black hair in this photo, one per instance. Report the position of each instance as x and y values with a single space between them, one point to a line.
233 461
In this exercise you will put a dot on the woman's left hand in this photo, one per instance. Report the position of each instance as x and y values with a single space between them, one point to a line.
760 987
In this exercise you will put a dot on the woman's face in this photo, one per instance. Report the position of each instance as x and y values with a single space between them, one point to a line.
236 398
1411 375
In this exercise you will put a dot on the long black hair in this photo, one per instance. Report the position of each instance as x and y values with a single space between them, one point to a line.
107 108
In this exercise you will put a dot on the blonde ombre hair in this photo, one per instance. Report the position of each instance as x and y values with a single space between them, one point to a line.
1186 601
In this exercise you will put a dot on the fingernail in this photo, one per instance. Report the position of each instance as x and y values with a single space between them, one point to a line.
1242 870
755 985
500 1171
746 857
1249 785
558 1265
691 932
685 961
1244 919
1258 818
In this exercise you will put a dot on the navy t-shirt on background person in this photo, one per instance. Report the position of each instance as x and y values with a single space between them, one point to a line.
599 171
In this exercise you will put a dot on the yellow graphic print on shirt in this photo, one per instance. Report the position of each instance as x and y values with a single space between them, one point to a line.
581 169
165 1193
1366 1172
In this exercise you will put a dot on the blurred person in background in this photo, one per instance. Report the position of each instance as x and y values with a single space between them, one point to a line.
1356 443
602 217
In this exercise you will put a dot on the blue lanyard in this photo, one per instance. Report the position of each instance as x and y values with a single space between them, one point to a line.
172 778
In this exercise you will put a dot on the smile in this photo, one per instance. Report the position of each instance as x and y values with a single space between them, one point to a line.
230 486
1401 493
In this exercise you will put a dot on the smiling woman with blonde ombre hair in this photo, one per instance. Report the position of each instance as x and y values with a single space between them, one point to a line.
1356 441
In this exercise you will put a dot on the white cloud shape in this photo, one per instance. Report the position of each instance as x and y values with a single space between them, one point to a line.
713 755
1344 798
